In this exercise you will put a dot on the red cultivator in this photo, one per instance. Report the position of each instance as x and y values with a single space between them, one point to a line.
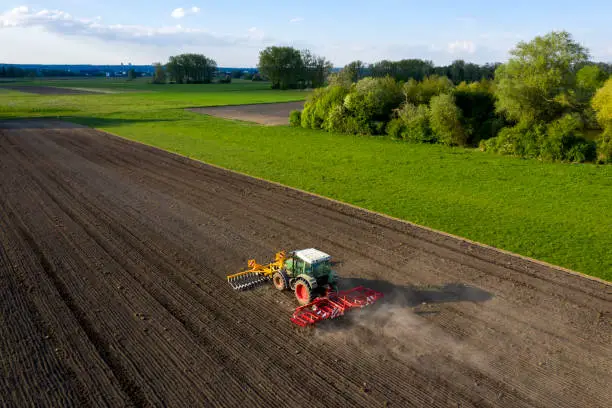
334 305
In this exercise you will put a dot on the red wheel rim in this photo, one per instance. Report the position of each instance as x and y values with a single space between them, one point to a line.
301 291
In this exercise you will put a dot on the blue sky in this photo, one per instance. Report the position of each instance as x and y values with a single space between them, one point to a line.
233 32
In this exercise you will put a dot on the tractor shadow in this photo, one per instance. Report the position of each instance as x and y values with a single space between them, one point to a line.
411 296
418 300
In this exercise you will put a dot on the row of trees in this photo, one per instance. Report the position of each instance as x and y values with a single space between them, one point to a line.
417 69
289 68
186 69
16 72
541 103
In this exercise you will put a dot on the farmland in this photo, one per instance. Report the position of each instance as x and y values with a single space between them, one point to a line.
113 264
557 213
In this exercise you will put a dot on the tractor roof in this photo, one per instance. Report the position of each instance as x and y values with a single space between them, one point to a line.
312 255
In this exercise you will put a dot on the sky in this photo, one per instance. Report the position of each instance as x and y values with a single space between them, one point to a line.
232 32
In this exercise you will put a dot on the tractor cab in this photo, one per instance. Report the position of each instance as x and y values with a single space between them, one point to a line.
308 272
308 261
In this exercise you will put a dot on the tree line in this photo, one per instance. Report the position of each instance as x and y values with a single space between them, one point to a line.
186 69
546 102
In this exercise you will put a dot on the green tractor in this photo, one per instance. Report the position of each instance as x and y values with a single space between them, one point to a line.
308 273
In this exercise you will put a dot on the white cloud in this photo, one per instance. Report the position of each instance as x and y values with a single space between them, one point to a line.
178 13
460 47
296 20
60 22
181 12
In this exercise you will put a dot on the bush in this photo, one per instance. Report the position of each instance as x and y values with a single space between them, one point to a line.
522 140
420 93
295 118
334 122
581 152
445 120
318 106
396 129
227 79
477 104
307 116
339 120
604 147
414 122
372 100
564 141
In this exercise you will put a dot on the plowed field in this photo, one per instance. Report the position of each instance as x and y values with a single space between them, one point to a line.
113 258
49 90
272 114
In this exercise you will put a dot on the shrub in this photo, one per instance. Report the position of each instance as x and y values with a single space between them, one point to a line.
227 79
295 118
581 151
477 104
325 99
395 128
415 124
339 120
372 100
522 140
319 104
564 141
602 104
445 121
420 93
604 147
335 120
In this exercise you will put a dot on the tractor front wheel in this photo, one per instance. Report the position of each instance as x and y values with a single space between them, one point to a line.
280 280
303 292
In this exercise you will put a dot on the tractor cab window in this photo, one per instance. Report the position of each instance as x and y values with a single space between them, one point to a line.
299 265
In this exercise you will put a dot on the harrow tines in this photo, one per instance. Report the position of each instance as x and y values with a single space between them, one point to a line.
247 281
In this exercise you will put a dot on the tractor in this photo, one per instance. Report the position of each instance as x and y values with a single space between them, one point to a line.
308 273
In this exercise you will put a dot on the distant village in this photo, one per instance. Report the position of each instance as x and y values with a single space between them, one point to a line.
108 71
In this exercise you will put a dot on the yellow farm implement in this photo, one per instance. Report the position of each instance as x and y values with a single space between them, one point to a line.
256 273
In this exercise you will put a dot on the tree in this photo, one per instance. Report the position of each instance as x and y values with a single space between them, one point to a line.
445 120
602 103
159 77
131 74
538 83
418 93
191 68
354 71
590 78
282 65
315 69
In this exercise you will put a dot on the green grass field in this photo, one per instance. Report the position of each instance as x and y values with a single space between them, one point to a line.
559 213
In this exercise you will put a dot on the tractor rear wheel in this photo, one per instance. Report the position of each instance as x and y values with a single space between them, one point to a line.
303 292
280 280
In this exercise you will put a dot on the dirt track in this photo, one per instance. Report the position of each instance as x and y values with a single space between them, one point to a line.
272 114
48 90
112 292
